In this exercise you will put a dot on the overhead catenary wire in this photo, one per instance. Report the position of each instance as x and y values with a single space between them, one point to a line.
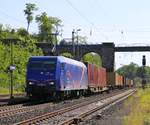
85 18
78 11
101 30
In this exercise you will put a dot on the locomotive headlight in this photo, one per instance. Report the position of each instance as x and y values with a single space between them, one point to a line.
51 83
31 83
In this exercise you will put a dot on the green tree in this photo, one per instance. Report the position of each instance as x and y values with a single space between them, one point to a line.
22 32
92 58
47 26
146 71
66 54
29 13
129 71
22 50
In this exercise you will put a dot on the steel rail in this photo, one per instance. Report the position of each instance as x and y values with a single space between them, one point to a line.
46 116
77 119
20 109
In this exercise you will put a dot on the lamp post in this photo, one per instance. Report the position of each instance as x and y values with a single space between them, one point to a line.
78 44
73 43
11 40
11 67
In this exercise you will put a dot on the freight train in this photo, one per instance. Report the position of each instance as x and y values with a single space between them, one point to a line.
59 77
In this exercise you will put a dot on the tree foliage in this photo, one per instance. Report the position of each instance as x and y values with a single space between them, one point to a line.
22 50
133 71
22 32
48 26
67 55
29 13
92 58
129 71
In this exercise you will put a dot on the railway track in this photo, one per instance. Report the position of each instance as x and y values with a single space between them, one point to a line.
18 98
106 103
70 114
6 111
12 110
8 108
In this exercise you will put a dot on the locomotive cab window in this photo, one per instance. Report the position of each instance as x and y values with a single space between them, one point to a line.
42 65
35 65
49 65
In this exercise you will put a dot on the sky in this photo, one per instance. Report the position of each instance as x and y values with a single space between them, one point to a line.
124 22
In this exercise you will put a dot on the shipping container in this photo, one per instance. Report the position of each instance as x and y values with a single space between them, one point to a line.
96 78
114 80
132 83
102 77
110 79
129 82
90 68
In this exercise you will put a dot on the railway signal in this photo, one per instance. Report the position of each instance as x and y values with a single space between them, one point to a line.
144 60
143 71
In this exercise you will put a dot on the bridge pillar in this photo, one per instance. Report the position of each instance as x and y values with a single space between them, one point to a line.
108 55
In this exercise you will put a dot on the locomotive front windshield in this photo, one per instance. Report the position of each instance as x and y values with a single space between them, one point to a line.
42 65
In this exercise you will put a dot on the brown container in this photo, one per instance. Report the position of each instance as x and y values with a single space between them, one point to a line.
96 77
110 78
132 83
119 80
90 74
127 82
102 77
114 79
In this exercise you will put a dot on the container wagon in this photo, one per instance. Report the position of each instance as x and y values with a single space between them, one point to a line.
132 83
96 78
114 80
118 80
129 82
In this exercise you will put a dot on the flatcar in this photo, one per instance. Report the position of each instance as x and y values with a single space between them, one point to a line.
55 76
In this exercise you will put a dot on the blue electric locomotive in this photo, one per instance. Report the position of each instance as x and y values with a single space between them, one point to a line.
55 76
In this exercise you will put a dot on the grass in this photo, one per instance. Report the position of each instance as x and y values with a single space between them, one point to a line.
6 91
139 108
